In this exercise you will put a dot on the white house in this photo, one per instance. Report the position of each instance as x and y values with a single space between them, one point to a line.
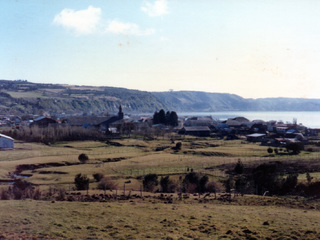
6 142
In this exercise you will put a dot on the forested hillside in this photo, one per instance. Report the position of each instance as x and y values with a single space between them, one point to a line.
23 97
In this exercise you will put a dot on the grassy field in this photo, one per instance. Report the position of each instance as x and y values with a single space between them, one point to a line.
249 217
135 157
142 219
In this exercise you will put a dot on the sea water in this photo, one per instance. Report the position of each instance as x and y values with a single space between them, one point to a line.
308 119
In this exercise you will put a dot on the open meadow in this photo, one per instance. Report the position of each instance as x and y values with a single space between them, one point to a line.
151 214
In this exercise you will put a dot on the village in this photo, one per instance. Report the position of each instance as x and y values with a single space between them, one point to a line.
268 133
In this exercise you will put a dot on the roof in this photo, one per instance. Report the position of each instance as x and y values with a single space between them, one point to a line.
256 135
5 136
241 119
38 118
197 128
231 122
81 120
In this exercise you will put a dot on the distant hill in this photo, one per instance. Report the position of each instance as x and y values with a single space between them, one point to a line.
23 97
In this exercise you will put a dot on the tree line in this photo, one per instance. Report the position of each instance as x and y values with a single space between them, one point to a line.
165 118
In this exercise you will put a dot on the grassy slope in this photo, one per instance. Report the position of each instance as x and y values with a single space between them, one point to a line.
148 218
138 158
142 219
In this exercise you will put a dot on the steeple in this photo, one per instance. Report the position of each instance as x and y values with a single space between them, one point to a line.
120 113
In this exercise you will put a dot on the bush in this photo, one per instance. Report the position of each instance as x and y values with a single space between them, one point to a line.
270 150
83 158
150 181
167 185
81 182
193 183
98 176
289 184
107 183
238 169
295 147
178 145
211 187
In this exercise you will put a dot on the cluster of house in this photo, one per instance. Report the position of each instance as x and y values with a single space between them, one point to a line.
274 132
255 131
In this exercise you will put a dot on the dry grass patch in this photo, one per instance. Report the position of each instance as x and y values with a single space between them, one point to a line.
145 219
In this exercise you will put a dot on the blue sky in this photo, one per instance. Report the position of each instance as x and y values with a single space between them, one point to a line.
247 47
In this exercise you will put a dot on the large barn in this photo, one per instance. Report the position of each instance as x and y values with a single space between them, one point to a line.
6 142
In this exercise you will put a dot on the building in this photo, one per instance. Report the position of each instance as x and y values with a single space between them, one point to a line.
256 137
6 142
198 131
43 122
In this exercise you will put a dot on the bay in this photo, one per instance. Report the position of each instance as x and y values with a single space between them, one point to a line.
308 119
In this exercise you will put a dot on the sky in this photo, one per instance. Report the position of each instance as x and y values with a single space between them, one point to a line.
255 49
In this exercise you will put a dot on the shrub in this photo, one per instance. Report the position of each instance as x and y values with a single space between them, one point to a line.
5 194
309 178
150 181
228 184
289 183
167 185
98 176
294 147
211 187
238 169
107 183
193 183
270 150
202 183
178 145
81 182
83 157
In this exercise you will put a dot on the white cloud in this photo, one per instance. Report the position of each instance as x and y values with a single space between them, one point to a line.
158 8
82 21
117 27
88 21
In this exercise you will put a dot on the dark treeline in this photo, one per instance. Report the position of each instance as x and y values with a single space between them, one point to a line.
169 118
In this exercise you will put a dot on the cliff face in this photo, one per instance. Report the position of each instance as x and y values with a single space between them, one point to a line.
22 97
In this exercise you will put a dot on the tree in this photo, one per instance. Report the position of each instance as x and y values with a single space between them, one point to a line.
168 117
178 146
266 178
202 183
155 118
150 181
83 158
239 167
190 182
98 176
162 117
270 150
289 183
81 182
167 185
294 147
173 119
309 178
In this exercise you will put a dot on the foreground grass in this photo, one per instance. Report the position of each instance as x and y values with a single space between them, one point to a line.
141 219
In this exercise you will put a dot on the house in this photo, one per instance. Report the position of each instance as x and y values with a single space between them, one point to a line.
43 122
6 142
200 131
94 122
198 121
256 137
88 122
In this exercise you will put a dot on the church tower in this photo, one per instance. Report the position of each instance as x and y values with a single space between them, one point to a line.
120 113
